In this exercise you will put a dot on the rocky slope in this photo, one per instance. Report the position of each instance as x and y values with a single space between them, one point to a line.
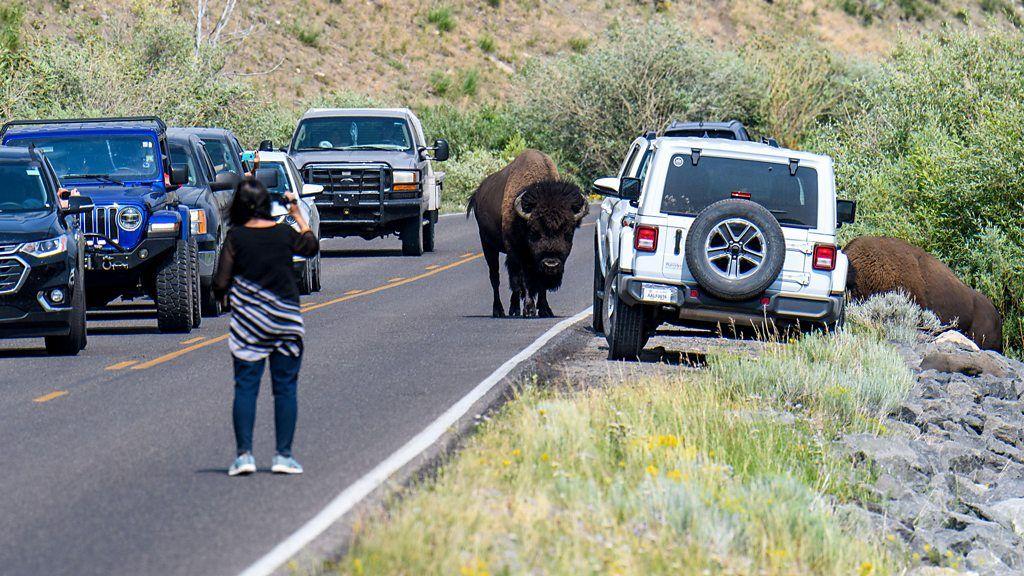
950 476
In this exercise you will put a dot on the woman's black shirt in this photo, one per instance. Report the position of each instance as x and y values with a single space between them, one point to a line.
263 256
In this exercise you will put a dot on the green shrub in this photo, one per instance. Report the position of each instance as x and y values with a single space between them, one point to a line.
891 316
470 128
11 16
486 44
440 82
442 18
933 157
470 83
464 174
579 44
308 36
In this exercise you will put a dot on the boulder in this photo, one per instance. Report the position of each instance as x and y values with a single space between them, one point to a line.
957 340
1009 513
953 360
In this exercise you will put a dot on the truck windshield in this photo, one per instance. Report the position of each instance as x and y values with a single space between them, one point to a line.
792 199
116 158
352 133
224 160
23 188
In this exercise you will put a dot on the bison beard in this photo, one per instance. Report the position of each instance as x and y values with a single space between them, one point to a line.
881 264
527 212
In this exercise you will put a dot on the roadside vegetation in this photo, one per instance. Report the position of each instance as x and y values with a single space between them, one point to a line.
730 469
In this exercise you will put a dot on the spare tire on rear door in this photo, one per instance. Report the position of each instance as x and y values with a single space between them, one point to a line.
735 249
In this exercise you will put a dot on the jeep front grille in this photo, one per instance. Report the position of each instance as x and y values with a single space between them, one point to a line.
103 221
12 273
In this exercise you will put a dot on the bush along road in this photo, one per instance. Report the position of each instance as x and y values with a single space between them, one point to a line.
123 450
876 450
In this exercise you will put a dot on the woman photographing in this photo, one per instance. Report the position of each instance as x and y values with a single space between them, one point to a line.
255 276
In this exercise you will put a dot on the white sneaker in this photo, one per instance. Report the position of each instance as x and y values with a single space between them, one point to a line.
244 464
285 465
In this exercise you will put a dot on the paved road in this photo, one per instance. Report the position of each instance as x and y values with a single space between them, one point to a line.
114 462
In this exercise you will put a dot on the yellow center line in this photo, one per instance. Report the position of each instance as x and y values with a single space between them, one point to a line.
178 353
396 279
50 396
121 365
466 255
193 340
353 292
432 266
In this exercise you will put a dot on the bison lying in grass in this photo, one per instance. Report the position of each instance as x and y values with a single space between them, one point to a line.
879 264
527 212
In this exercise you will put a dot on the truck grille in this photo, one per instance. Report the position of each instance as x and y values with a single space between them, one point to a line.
12 271
368 180
102 220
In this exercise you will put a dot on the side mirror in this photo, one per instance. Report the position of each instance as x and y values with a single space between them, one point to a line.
225 181
79 205
311 190
267 146
441 150
268 177
629 189
846 212
179 174
606 186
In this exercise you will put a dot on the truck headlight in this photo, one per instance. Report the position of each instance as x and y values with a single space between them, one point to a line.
405 180
197 220
45 248
129 218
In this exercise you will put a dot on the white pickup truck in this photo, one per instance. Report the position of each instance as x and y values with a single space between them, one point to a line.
712 232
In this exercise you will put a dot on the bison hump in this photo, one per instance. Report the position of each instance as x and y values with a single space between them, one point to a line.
529 167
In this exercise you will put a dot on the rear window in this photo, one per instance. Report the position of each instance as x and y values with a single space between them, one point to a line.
793 199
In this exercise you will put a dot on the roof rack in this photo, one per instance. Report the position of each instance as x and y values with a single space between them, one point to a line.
14 123
733 130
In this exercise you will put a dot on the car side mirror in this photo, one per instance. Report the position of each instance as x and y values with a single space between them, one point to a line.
311 190
846 212
79 205
629 189
225 181
266 146
606 187
179 175
441 150
268 177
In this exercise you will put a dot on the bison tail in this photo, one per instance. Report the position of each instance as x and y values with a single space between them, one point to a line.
471 205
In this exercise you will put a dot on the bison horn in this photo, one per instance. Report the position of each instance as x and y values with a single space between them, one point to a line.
584 209
518 205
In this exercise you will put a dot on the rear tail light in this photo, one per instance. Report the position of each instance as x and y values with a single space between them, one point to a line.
741 195
824 257
645 239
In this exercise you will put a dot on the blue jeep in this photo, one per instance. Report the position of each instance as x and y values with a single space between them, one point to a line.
139 240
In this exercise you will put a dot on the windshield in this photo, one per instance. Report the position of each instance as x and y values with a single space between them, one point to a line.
283 184
352 133
117 157
222 156
792 199
23 188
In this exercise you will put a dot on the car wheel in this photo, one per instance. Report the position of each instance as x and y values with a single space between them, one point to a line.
174 282
316 275
197 286
412 237
597 316
428 235
623 324
76 339
735 249
306 281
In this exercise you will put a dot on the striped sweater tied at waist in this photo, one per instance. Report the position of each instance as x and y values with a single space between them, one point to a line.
263 323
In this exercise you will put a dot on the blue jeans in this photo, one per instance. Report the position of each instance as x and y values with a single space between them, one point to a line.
284 374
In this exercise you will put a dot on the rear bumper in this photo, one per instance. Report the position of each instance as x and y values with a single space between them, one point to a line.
691 303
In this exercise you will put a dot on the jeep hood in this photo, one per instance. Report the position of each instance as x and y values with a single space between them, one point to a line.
397 159
106 194
16 228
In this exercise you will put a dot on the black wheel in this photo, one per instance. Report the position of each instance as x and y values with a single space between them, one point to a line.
197 286
316 275
306 279
597 317
623 324
77 337
428 235
412 237
735 249
174 284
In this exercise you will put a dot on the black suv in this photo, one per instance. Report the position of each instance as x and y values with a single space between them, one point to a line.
42 268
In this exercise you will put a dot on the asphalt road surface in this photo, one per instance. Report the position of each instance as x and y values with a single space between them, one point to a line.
115 461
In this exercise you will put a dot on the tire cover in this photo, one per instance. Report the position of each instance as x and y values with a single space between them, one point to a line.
725 241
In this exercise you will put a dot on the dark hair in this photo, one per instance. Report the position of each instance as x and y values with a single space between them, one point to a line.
251 200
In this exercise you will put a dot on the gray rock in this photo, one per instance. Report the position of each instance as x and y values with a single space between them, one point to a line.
1009 513
965 362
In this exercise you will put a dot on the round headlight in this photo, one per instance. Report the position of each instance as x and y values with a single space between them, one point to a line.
129 218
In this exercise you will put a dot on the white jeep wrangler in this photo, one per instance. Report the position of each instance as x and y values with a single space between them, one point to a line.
712 232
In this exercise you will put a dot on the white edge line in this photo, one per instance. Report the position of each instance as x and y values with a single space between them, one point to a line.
349 497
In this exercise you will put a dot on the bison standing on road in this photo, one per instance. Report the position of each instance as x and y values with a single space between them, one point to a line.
527 212
880 264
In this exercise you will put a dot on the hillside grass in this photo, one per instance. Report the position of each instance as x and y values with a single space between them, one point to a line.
729 470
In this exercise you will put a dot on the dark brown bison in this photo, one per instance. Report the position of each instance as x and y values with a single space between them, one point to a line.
879 264
526 211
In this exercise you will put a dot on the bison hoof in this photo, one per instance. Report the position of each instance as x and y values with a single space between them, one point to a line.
498 313
545 313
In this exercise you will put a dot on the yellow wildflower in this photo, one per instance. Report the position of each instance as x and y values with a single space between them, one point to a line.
506 462
652 470
357 565
890 537
544 457
927 547
674 475
866 568
669 441
516 452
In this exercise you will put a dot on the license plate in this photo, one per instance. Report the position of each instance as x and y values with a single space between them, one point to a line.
656 293
345 200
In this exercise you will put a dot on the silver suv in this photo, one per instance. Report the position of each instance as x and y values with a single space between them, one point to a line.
712 232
